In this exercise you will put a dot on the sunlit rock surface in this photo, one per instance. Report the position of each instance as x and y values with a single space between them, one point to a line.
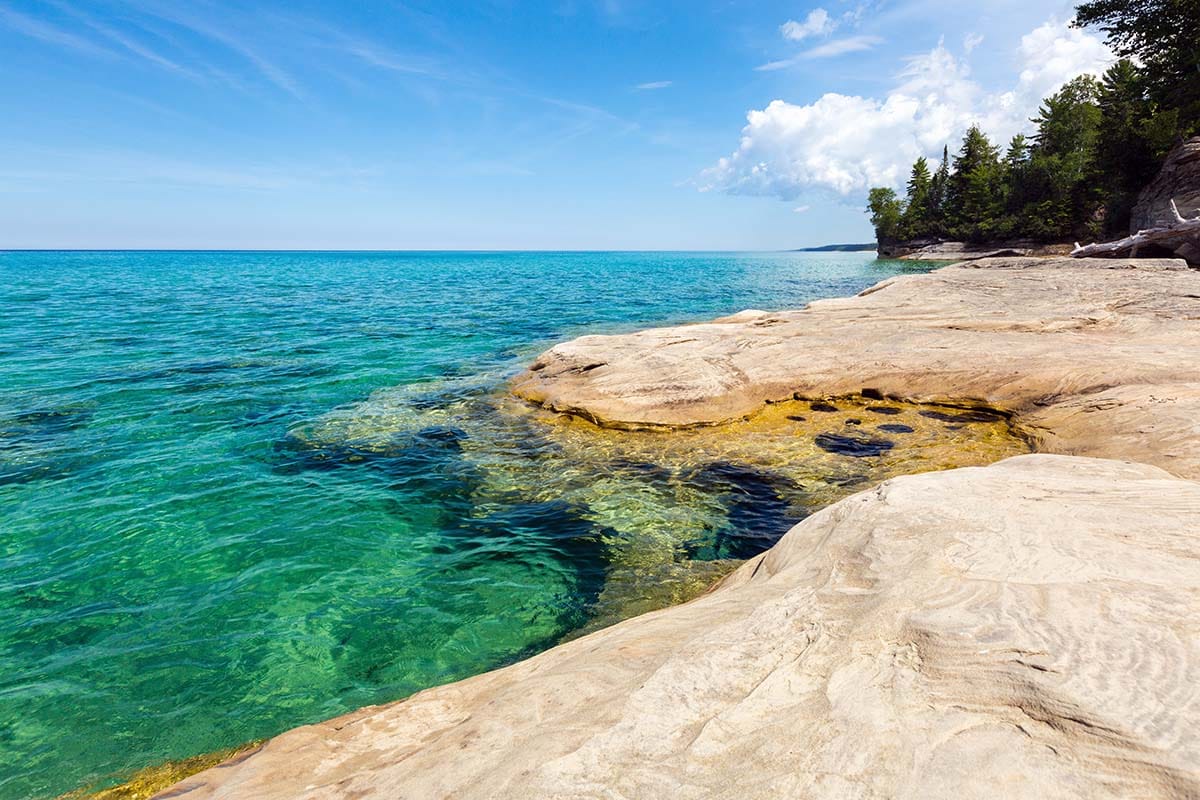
1027 629
1042 338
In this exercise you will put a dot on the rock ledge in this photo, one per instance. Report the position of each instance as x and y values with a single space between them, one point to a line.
1028 629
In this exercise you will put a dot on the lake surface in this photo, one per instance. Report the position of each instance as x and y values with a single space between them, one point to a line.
240 492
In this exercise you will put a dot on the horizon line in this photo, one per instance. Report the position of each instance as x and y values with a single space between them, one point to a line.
389 250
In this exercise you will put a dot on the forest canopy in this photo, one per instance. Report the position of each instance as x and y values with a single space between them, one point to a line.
1096 143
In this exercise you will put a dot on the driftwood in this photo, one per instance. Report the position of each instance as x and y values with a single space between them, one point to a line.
1174 236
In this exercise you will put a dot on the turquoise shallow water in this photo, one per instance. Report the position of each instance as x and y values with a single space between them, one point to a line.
198 549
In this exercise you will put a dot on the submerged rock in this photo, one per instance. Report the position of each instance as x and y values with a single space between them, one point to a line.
971 415
757 506
853 446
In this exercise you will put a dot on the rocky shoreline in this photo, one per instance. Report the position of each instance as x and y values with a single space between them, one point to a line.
951 251
1027 629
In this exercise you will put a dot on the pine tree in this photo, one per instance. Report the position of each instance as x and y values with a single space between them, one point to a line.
1130 145
1015 190
917 213
1164 37
1067 189
937 195
973 194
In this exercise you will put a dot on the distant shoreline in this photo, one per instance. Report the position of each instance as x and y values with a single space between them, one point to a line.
838 248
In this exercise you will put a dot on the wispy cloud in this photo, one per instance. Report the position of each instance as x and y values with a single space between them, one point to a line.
654 85
837 47
267 68
820 23
802 209
771 66
129 44
44 31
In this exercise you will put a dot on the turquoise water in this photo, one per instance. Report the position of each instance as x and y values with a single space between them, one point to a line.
245 491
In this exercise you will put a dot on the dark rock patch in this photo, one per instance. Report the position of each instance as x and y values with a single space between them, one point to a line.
971 415
854 422
758 508
796 418
871 394
853 446
825 408
889 411
894 428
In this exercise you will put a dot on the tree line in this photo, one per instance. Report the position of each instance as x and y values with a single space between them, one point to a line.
1096 143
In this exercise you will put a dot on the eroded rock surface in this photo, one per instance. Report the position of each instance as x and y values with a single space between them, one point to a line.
1029 629
1099 356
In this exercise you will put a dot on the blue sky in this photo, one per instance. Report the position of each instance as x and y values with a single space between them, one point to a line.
573 124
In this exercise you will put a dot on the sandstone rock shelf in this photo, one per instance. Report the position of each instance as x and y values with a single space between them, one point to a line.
1087 353
1027 629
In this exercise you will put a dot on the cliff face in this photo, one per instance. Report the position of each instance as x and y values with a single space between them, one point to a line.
1028 629
1179 180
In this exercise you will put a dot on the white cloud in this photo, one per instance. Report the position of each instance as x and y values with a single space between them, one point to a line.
817 23
971 41
837 47
802 209
771 66
849 143
653 85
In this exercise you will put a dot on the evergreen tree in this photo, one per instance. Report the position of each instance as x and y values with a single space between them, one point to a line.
973 194
917 213
1133 138
1015 188
937 195
1066 186
1164 37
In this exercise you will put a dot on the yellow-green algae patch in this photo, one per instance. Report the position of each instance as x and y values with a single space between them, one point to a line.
148 782
666 499
663 498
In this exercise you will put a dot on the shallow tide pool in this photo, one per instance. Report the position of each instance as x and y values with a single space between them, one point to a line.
240 492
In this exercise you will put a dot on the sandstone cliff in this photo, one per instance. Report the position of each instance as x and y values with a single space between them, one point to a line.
1179 180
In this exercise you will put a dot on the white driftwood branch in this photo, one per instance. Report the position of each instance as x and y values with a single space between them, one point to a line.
1181 229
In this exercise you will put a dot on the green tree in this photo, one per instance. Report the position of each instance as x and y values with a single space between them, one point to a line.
1164 37
973 194
1066 188
1015 186
917 212
886 211
937 194
1133 138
